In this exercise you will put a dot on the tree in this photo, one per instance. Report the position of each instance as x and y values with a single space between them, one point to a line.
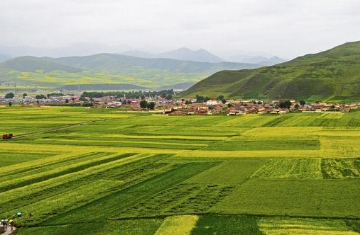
223 101
143 104
24 95
10 104
9 95
230 105
187 102
302 102
151 105
285 104
297 106
220 97
169 97
142 97
67 101
40 97
199 99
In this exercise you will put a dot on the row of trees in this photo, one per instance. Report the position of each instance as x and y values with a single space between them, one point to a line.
167 94
39 97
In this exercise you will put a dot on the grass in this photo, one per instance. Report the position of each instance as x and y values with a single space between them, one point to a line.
89 171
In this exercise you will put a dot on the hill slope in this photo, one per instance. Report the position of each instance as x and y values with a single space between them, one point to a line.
330 74
107 69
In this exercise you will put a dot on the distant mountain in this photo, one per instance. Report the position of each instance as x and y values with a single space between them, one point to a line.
191 55
332 74
179 54
129 64
262 60
46 72
101 87
32 64
3 58
272 61
139 54
179 86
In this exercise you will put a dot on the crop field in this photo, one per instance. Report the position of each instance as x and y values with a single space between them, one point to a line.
74 170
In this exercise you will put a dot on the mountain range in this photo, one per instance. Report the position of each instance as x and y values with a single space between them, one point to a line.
262 60
51 73
187 54
203 55
333 74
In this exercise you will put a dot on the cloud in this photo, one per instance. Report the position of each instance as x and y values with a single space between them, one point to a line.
279 27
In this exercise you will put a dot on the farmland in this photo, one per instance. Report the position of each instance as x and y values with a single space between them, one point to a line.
103 171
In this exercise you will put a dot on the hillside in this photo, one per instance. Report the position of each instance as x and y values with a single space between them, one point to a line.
107 69
332 74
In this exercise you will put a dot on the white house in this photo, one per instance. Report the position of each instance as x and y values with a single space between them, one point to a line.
212 102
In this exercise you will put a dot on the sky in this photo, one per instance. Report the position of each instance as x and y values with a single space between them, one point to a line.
285 28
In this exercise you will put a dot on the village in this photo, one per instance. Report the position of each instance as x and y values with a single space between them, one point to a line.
164 103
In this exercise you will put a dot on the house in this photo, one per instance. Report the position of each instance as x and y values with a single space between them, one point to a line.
212 102
114 104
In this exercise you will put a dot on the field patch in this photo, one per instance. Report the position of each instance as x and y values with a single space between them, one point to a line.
231 172
330 198
227 225
291 169
11 158
270 144
341 168
184 198
278 226
340 147
178 225
123 227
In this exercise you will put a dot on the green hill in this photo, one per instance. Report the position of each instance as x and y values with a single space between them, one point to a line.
32 64
107 69
332 74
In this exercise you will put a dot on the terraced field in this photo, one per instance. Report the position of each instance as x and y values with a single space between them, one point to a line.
88 171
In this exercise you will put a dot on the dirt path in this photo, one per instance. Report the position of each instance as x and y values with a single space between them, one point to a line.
8 231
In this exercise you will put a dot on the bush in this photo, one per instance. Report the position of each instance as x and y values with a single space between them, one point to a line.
9 95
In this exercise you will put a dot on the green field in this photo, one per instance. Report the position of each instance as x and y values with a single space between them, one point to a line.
102 171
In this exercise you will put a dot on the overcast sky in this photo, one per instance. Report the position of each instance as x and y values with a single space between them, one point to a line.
286 28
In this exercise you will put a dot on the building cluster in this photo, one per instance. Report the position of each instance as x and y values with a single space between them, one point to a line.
242 107
187 107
